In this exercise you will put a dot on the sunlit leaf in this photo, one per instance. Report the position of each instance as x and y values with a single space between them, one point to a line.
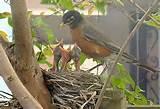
40 56
123 73
38 45
156 22
4 35
83 57
140 99
49 1
50 35
47 51
45 62
5 15
10 22
91 10
66 4
101 6
153 24
138 89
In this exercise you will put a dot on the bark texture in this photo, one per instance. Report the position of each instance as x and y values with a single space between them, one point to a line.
26 67
16 86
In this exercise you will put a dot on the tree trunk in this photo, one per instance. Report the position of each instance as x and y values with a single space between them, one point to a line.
16 86
26 67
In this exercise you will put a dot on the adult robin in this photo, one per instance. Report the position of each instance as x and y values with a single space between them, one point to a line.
91 41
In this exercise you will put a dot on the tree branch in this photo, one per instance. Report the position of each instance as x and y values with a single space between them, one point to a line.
26 66
139 7
131 35
13 82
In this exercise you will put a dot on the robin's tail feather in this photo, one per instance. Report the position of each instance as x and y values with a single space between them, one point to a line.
146 67
131 59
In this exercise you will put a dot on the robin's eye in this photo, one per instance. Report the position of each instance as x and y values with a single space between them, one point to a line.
70 19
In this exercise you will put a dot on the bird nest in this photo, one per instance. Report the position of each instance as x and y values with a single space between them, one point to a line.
69 90
76 90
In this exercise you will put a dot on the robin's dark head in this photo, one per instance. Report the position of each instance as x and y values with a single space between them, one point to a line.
72 18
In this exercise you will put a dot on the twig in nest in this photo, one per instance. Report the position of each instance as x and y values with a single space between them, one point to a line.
6 93
65 107
83 95
59 100
94 67
94 94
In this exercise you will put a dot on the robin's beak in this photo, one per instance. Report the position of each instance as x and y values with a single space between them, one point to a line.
62 24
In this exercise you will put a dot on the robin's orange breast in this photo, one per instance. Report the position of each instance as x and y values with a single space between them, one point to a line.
87 46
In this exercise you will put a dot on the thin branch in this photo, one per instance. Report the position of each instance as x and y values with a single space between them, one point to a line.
94 67
131 35
6 93
16 86
94 94
139 7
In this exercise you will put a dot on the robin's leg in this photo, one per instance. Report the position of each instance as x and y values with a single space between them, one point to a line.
53 67
77 64
56 60
108 62
64 66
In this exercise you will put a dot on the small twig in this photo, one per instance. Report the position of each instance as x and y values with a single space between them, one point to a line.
94 67
3 96
83 95
131 35
61 101
65 107
139 7
94 94
6 93
90 86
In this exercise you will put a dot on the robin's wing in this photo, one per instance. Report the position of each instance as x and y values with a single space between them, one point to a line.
93 34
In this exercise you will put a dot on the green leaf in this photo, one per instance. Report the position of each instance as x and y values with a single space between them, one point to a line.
47 51
138 89
38 22
5 15
10 22
4 35
117 82
123 73
45 62
82 58
49 1
66 4
38 45
50 35
40 56
101 6
153 23
140 99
